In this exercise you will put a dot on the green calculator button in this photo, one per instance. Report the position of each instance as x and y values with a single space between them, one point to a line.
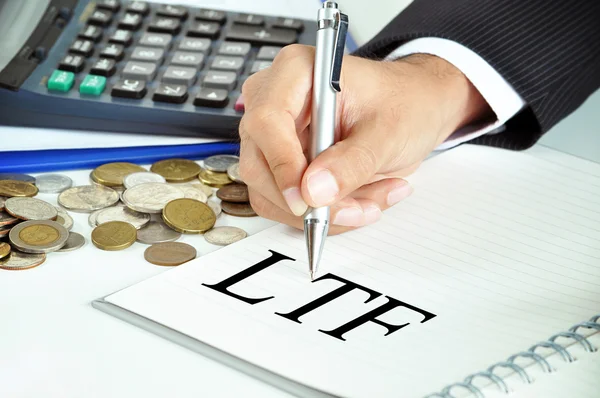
92 85
61 81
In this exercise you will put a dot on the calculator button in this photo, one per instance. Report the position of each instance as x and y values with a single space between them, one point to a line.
188 59
104 67
139 71
121 36
219 79
213 98
61 81
189 44
289 23
91 32
257 66
173 93
161 40
148 54
234 48
268 53
72 63
172 11
138 7
130 21
100 18
165 25
82 47
260 35
234 64
92 85
129 88
204 29
239 104
212 16
110 5
113 51
180 75
250 19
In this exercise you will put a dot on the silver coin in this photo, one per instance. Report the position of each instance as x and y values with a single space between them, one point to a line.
92 219
208 191
233 172
215 207
53 183
87 198
19 261
220 163
17 177
224 236
30 209
191 192
42 236
74 241
151 197
122 213
157 232
142 177
64 219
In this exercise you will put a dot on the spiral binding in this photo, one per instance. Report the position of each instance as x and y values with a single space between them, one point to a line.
593 323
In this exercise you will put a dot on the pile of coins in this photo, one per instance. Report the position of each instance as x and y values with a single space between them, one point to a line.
127 203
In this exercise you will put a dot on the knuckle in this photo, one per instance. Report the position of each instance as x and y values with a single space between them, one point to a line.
363 160
249 86
291 52
259 204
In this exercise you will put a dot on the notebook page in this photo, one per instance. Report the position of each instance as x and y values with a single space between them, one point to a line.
494 251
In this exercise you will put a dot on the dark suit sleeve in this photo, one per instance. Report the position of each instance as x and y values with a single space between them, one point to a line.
548 50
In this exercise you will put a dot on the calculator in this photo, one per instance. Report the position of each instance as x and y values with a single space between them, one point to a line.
134 66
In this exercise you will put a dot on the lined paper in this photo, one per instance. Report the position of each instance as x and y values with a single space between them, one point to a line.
503 247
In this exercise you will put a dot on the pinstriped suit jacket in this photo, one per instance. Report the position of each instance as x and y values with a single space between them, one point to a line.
548 50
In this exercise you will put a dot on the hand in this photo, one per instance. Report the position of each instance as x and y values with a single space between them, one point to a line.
390 116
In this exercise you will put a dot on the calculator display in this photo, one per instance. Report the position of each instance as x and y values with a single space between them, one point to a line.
18 19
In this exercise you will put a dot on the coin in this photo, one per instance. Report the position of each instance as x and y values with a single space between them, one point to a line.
220 163
176 170
64 219
74 241
12 188
112 174
114 235
208 191
2 201
236 193
189 216
169 253
156 232
215 207
4 231
191 192
151 197
18 177
4 250
7 219
30 209
122 213
38 236
224 236
19 261
142 177
93 217
233 172
238 209
87 198
53 183
212 179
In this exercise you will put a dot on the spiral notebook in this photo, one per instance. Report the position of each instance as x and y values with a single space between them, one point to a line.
487 279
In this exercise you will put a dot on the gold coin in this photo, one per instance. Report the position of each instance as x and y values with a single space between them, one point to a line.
12 188
112 174
176 170
170 254
114 235
217 180
4 250
189 216
39 235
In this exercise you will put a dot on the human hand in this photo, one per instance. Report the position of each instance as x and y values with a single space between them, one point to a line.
390 116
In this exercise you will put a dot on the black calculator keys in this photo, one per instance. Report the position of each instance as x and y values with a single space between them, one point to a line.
204 29
211 97
250 19
172 11
160 40
234 48
219 79
194 44
180 75
212 16
91 32
260 35
72 63
129 88
110 5
100 17
173 93
289 23
103 67
121 36
82 47
221 62
185 58
148 54
130 21
165 25
138 7
268 53
113 51
139 71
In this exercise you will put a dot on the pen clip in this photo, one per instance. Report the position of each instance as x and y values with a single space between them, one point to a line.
338 51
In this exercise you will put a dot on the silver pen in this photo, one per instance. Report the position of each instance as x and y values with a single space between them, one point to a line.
331 39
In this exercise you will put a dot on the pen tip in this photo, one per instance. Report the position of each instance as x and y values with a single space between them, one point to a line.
312 276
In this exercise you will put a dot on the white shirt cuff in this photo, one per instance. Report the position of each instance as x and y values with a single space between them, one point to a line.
499 94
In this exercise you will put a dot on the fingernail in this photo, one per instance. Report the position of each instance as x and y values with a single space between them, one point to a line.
399 194
372 214
293 197
350 217
323 188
